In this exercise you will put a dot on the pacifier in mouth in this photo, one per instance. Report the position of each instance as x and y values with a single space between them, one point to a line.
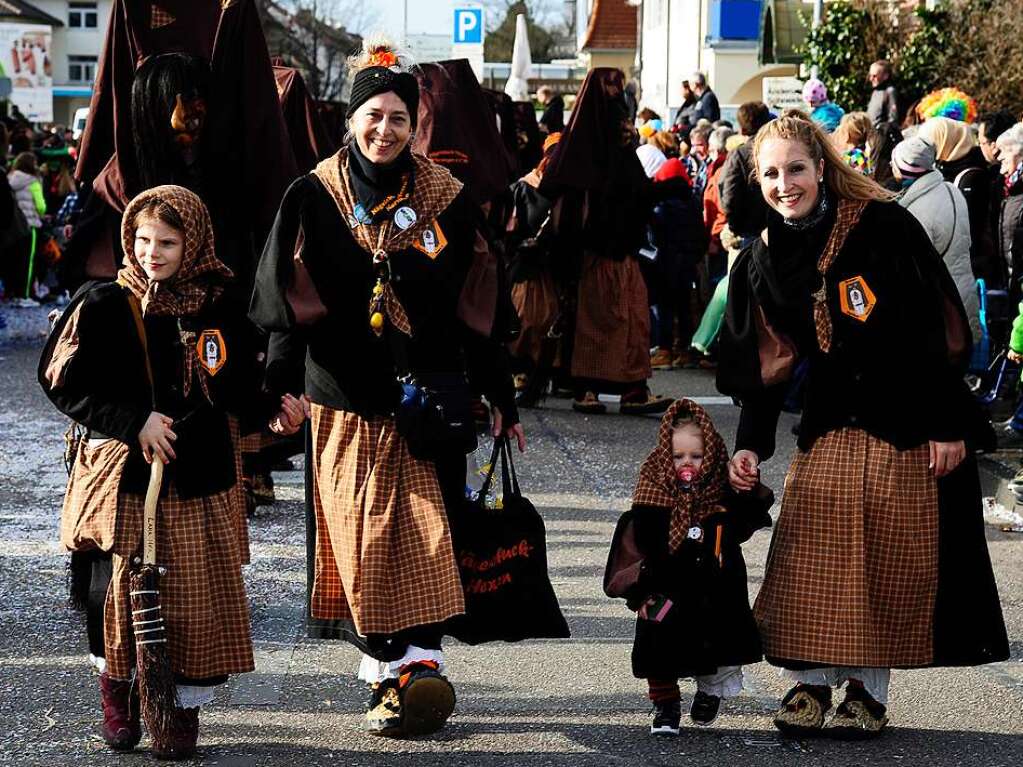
686 475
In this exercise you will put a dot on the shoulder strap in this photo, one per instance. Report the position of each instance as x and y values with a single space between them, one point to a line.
140 327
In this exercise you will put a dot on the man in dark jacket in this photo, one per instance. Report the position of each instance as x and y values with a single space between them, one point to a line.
884 100
741 199
706 106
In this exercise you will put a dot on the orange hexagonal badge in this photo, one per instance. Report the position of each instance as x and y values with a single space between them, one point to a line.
857 298
211 350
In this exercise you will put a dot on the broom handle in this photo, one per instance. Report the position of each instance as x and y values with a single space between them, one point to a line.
149 514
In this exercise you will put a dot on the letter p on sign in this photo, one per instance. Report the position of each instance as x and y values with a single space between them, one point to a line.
469 26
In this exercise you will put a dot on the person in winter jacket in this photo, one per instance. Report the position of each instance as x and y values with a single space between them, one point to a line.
822 111
740 196
963 164
942 209
677 233
884 99
1010 220
28 194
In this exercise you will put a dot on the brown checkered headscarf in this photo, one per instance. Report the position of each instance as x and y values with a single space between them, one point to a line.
433 190
200 277
658 486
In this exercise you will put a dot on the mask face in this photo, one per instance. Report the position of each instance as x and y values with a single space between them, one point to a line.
187 120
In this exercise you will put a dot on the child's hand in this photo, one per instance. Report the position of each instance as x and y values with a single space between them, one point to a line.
1014 356
743 471
156 437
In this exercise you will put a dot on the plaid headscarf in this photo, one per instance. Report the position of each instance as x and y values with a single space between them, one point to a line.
658 485
201 276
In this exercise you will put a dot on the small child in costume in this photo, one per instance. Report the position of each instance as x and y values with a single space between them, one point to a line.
151 366
677 560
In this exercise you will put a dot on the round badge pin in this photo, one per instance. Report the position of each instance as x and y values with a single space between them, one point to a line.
404 217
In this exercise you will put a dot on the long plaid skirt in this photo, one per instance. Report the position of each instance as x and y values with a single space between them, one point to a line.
612 330
852 572
384 559
202 592
536 303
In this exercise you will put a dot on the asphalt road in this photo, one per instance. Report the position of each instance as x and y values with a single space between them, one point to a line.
571 702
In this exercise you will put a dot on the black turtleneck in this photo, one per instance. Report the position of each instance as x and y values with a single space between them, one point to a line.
373 182
785 275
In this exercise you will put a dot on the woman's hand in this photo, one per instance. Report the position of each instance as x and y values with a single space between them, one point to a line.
514 433
945 457
156 438
743 471
291 416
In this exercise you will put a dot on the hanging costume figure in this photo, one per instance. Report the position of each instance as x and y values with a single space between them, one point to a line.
603 205
182 366
375 271
879 558
185 94
686 527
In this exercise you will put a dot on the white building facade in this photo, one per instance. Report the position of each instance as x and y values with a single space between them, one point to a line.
736 43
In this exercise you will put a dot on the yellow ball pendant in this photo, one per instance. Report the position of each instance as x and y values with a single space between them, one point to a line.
376 321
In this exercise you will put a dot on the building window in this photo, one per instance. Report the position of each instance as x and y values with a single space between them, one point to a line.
82 16
81 69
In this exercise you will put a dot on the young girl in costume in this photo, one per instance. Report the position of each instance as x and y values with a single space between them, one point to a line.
694 618
150 366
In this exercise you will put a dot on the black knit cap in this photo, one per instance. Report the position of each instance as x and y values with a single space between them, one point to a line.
372 81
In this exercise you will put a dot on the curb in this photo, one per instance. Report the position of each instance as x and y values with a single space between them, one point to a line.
996 469
19 326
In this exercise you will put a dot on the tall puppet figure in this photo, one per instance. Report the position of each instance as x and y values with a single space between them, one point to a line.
375 271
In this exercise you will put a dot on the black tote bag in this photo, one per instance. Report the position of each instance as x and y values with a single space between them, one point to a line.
502 559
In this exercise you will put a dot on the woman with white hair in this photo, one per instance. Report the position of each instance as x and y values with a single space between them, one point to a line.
1010 220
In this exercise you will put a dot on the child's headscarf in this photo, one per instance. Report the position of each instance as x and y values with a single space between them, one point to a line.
200 277
658 485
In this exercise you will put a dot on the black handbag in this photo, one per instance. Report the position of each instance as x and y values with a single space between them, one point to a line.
435 415
502 560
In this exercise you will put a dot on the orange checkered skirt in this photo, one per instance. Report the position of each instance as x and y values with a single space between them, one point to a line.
384 559
536 303
202 593
612 329
852 573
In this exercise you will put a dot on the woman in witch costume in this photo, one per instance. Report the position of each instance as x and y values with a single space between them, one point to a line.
879 559
694 618
533 291
371 273
604 200
172 329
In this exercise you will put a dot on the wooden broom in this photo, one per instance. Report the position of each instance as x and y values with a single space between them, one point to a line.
157 688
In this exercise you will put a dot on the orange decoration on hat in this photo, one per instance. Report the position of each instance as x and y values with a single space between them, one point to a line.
383 58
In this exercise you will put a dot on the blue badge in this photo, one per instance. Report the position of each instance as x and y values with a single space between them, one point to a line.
361 214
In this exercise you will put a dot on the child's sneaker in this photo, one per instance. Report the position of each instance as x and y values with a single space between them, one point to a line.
704 709
667 717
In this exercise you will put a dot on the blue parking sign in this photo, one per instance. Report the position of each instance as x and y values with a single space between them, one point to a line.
468 26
